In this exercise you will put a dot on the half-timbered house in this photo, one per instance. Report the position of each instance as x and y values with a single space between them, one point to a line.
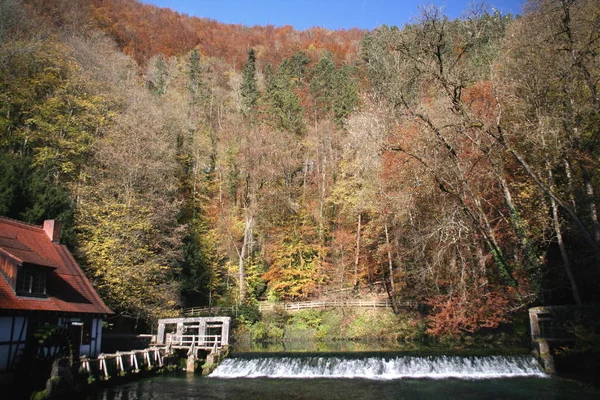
48 308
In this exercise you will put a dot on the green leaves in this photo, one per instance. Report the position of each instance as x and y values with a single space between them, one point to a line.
333 90
284 110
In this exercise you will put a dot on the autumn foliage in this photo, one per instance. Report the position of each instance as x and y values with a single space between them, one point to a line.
143 30
451 163
470 311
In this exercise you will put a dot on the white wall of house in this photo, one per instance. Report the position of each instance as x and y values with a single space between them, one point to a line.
13 331
92 329
13 334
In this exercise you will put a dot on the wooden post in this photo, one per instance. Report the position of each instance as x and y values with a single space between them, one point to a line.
160 335
120 362
103 365
202 331
157 357
147 358
133 361
546 356
85 364
225 332
534 323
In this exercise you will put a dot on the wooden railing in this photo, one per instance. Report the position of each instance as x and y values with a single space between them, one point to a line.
302 305
194 311
107 365
206 342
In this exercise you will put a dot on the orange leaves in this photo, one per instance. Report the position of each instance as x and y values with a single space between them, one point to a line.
480 99
145 30
296 263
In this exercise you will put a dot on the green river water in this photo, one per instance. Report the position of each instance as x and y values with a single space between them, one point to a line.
360 374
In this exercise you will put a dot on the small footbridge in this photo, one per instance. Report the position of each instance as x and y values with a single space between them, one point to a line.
198 337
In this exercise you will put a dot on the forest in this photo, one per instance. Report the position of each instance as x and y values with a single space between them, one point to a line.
450 162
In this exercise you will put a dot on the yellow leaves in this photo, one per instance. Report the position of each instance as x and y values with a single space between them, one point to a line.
296 264
53 110
118 244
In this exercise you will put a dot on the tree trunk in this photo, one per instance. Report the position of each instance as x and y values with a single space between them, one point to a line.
576 220
563 253
322 197
389 254
247 230
343 272
559 238
591 199
569 175
357 254
517 223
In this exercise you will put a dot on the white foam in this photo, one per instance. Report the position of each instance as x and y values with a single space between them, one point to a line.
401 367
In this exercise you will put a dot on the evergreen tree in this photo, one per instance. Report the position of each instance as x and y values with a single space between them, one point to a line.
334 90
345 94
31 194
195 84
297 65
158 76
198 273
322 85
283 105
249 88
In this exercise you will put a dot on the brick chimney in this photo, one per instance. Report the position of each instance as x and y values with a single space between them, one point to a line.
52 229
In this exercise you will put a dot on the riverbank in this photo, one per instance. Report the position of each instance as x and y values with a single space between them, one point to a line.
380 330
370 325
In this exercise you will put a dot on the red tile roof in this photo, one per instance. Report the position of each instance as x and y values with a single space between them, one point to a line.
68 288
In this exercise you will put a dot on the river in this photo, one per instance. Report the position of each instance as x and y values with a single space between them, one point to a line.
359 375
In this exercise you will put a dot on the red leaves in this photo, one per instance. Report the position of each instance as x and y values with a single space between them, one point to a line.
481 100
144 30
468 311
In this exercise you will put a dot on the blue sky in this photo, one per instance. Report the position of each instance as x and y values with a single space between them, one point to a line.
331 14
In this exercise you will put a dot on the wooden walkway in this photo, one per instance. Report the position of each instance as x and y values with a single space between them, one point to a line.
108 365
302 305
115 364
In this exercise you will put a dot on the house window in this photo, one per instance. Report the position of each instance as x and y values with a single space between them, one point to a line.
31 282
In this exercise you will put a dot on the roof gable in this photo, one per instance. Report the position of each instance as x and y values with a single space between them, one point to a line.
69 290
20 252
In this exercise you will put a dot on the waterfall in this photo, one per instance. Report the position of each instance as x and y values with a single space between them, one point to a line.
377 367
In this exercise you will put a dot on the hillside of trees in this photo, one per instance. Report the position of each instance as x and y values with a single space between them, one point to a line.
450 162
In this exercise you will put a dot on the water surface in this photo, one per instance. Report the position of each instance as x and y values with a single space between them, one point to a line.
359 375
179 386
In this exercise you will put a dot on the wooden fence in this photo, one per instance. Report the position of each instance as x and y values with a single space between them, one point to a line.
203 342
121 362
301 305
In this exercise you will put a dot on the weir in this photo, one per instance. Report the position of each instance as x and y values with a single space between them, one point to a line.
195 334
377 366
